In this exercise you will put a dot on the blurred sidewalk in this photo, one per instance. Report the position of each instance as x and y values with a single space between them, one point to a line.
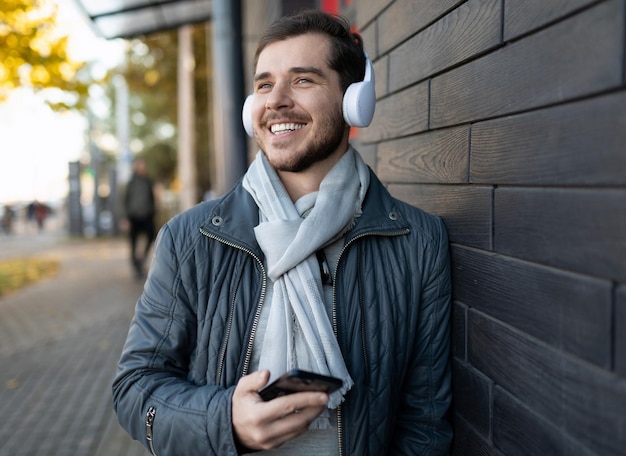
60 340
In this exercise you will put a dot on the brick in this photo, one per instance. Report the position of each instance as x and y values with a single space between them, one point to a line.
470 29
594 402
585 401
517 430
401 114
576 144
368 34
381 72
523 16
567 311
433 157
404 18
367 151
467 442
551 66
575 229
368 10
472 397
512 361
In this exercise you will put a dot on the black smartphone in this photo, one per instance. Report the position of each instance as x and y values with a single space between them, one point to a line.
296 381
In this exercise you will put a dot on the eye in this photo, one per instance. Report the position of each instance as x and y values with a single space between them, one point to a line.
303 81
264 86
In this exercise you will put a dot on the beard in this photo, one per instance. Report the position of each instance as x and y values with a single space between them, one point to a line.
330 133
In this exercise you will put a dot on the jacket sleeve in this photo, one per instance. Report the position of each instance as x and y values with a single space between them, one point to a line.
152 371
422 426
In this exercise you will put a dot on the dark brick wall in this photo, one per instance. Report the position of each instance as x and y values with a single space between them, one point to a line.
508 119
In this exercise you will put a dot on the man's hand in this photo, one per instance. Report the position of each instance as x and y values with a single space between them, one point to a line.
261 425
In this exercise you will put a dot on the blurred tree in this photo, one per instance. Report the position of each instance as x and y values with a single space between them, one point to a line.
33 53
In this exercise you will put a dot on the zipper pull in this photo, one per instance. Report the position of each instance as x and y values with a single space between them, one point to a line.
149 423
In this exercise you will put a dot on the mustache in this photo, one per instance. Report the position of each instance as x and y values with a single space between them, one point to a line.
286 118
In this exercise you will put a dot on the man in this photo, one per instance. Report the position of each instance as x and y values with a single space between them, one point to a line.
140 208
307 263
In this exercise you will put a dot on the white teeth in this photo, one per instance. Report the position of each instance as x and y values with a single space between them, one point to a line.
285 127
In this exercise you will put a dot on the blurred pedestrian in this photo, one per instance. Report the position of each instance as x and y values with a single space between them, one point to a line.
40 212
140 210
7 219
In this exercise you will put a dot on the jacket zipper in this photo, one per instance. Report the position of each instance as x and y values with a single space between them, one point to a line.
335 325
257 315
149 423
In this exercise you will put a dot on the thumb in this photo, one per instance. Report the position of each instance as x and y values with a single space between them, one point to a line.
255 380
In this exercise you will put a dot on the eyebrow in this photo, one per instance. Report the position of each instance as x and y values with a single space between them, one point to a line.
294 70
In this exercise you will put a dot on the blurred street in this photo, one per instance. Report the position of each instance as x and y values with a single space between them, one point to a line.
60 340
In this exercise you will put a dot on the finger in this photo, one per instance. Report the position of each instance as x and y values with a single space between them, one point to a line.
295 409
287 405
295 417
253 381
303 415
289 426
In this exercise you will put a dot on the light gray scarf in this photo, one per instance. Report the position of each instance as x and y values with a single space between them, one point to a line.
299 333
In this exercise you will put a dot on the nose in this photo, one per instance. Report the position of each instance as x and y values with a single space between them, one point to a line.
279 97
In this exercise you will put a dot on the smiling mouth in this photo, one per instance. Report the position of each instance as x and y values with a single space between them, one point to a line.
281 128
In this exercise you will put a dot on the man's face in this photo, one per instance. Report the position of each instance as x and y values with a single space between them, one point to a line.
296 113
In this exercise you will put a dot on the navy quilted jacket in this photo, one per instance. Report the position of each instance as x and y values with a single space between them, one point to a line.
191 337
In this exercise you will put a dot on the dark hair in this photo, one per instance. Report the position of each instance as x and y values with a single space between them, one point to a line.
346 50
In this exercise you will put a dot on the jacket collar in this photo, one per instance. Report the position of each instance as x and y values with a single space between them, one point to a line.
381 213
233 218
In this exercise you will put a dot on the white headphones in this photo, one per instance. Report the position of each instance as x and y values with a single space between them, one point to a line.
358 104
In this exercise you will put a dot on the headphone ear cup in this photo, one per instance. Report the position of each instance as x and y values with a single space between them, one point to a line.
246 115
359 103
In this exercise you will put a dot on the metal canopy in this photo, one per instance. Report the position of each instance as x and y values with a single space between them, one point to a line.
129 18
